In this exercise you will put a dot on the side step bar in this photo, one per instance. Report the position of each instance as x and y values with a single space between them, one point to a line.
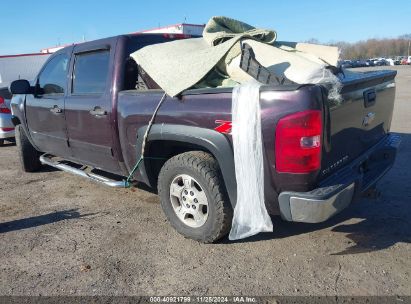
47 159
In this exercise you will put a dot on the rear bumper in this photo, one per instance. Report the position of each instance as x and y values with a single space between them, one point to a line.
338 191
5 125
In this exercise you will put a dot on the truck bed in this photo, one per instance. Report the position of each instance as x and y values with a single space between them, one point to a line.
345 135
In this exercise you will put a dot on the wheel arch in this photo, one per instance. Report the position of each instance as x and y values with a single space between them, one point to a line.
166 140
15 120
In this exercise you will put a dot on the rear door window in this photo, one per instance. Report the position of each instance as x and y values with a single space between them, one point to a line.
90 72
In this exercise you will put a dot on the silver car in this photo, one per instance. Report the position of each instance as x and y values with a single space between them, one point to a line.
6 126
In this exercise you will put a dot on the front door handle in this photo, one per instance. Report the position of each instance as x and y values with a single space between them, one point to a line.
56 110
97 111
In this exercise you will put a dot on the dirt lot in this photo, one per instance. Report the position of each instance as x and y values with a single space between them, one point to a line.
62 235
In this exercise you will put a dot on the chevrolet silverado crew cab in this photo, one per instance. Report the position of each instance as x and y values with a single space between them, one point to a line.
89 107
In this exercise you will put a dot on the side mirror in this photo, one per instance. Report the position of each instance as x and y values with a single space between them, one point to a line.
20 86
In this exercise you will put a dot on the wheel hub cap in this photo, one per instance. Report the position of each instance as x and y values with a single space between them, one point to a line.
189 201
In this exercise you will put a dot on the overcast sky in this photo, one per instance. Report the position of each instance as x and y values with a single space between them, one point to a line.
28 26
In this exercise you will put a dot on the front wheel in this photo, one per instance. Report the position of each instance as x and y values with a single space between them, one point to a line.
29 156
193 196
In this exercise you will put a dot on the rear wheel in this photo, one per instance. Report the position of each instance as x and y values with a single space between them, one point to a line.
28 155
1 142
193 196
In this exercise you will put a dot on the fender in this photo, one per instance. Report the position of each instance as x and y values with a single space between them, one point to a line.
216 143
18 105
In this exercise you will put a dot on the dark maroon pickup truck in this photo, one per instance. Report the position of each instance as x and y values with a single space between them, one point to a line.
90 105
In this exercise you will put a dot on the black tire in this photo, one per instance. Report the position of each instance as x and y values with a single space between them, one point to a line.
29 156
205 170
1 142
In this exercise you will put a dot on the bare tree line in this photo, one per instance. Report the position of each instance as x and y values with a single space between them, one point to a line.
373 48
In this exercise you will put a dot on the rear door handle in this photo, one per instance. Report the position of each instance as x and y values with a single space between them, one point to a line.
56 110
97 111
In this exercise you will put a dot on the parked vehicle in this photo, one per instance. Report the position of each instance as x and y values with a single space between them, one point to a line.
397 60
6 125
359 63
346 64
369 62
354 63
408 60
380 61
91 105
390 61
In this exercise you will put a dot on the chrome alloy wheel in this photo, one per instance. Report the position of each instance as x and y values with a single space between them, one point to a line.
189 201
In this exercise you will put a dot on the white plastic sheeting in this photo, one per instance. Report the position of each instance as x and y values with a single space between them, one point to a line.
250 214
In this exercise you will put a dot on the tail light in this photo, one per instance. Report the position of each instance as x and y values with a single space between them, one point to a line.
298 142
3 107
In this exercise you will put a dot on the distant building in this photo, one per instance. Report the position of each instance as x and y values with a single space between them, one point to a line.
22 66
53 49
26 66
180 28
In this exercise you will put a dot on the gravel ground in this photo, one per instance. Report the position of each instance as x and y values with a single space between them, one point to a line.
62 235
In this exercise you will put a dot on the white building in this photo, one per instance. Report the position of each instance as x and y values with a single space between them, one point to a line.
180 28
26 66
22 66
